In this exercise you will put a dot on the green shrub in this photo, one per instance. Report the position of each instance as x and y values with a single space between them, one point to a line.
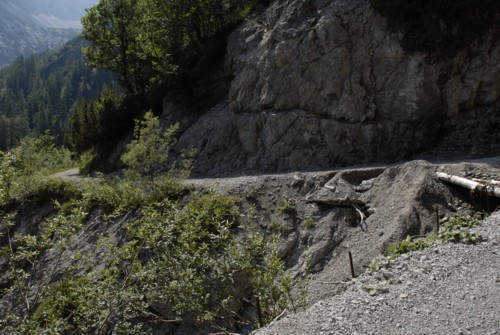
25 170
287 207
409 244
7 177
114 195
25 254
171 266
40 155
309 223
147 153
261 259
252 194
278 227
42 189
147 160
457 231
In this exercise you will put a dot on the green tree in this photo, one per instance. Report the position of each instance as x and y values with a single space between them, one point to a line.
147 41
147 154
111 27
94 121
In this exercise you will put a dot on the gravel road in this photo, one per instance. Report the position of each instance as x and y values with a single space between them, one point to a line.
444 289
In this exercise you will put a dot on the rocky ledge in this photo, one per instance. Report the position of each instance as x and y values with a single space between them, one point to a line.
318 84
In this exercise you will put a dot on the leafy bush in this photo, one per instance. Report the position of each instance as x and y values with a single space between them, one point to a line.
147 159
278 227
24 171
7 177
172 265
409 244
115 196
457 231
26 278
309 223
41 189
148 151
443 27
271 285
40 155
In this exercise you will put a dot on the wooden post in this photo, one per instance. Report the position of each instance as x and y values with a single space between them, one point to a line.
488 206
437 218
352 265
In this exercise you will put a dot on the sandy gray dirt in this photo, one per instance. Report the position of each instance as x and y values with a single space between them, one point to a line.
445 289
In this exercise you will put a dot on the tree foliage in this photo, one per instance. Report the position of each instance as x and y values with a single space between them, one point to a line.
149 41
148 151
94 120
442 27
168 264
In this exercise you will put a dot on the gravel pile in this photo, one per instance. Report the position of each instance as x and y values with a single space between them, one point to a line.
443 289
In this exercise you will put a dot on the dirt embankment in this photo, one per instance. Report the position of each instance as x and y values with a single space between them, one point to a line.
322 216
317 233
444 289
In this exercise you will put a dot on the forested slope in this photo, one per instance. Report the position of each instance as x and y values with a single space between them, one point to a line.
37 92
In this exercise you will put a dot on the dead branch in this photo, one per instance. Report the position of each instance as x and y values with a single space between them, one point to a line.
361 214
332 202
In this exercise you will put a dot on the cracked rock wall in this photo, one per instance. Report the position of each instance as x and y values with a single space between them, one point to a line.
320 83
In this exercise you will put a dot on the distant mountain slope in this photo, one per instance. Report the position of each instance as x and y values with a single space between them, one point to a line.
53 13
28 26
37 92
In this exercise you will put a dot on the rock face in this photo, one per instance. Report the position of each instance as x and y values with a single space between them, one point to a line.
322 83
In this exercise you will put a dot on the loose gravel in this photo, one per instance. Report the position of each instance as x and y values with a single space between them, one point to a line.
443 289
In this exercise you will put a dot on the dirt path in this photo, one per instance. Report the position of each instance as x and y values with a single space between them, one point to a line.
72 175
225 183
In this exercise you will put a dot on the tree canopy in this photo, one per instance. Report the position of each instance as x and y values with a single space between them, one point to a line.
147 42
442 27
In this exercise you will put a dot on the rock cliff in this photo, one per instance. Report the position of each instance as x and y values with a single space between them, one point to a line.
319 83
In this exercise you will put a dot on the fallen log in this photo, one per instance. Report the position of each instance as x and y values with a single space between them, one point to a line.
492 190
487 182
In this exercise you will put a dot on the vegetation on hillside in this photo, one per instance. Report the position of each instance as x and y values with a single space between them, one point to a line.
126 256
154 47
442 27
37 92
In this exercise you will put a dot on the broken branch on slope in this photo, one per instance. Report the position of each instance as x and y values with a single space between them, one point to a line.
490 189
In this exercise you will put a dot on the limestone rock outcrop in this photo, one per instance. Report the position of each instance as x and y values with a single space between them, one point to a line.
320 83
